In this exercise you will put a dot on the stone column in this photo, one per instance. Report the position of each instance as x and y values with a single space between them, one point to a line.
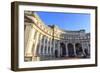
50 46
54 47
35 47
44 46
66 50
58 48
88 47
74 50
29 40
83 48
47 51
40 45
43 51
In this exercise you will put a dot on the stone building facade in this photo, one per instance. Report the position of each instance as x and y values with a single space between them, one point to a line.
43 42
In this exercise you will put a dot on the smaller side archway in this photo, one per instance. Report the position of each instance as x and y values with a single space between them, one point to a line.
79 50
70 50
63 48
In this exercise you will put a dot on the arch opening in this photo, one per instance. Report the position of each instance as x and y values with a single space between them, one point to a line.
63 48
70 50
79 50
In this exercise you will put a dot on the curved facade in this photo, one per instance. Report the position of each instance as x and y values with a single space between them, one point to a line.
44 42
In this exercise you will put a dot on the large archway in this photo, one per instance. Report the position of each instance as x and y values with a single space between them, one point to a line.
70 50
63 48
79 50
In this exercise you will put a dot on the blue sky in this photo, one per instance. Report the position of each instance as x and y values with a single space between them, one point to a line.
66 21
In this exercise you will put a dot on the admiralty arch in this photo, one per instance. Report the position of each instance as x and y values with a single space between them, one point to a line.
44 42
